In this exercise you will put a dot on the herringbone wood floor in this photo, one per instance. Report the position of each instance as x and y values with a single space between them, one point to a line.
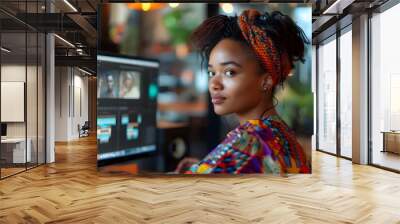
72 191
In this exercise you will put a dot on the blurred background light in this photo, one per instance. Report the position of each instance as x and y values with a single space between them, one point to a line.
227 8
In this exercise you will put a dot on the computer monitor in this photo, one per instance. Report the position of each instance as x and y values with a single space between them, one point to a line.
3 129
127 104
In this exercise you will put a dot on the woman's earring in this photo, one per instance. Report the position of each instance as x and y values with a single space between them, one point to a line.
268 85
264 86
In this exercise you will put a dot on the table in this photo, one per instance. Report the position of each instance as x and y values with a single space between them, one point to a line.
391 141
16 147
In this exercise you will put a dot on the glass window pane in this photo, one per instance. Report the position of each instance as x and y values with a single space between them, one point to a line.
13 85
385 89
22 84
41 99
346 94
327 97
31 97
14 152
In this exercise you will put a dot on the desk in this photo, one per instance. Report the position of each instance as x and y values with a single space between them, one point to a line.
391 141
16 147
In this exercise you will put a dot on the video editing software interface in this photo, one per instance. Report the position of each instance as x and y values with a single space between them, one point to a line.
126 107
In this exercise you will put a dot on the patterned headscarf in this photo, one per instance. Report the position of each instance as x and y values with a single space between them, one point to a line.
274 61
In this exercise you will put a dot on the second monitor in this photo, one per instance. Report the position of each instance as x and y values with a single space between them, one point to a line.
127 105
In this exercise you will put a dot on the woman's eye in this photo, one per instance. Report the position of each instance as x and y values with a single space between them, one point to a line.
211 74
229 73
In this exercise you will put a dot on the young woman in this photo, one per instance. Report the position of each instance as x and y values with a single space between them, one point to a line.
248 57
129 85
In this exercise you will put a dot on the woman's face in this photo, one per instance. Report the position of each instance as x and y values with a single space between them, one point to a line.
235 78
129 83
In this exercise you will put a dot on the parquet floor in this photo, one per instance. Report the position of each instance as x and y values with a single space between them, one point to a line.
72 191
387 159
9 171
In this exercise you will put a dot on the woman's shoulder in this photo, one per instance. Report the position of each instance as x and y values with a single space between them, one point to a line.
256 146
266 125
271 131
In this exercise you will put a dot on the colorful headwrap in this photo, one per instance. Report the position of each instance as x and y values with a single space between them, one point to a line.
275 62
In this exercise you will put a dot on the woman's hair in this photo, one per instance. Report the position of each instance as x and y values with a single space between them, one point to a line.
128 75
287 38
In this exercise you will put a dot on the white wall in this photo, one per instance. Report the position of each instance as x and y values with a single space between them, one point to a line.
33 127
71 94
80 100
12 73
61 103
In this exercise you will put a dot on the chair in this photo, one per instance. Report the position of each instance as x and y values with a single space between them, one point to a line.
84 130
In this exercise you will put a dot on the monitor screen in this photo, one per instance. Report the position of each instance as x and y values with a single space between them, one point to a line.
127 103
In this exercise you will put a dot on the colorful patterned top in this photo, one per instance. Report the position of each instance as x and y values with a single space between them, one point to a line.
257 146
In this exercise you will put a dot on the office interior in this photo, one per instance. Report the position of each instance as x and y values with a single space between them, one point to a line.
49 72
357 83
22 97
48 94
49 86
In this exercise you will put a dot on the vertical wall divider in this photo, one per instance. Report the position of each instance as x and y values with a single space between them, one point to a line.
80 102
317 96
338 98
369 97
73 92
60 75
37 89
26 86
47 5
0 94
44 79
69 92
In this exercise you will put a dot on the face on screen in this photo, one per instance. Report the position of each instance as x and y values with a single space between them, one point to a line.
108 85
110 82
130 85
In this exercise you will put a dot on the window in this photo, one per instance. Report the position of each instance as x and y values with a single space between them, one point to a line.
385 89
327 96
22 89
346 93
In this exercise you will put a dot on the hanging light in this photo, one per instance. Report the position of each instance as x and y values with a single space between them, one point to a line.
5 50
70 5
227 7
181 50
146 6
84 71
173 5
64 40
